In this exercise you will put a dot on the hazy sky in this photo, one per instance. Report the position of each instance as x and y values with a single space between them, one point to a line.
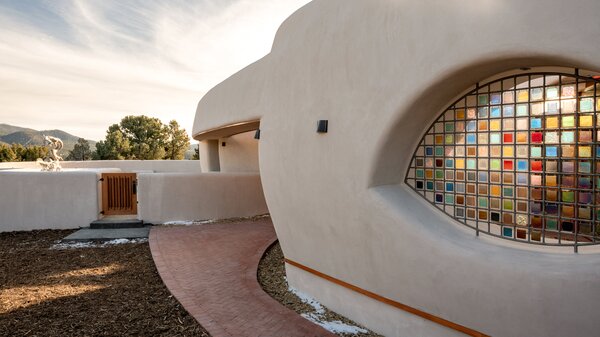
82 65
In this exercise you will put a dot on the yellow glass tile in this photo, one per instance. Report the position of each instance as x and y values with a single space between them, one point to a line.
429 174
522 95
585 151
495 190
483 125
495 125
586 121
521 137
508 151
460 163
551 122
551 181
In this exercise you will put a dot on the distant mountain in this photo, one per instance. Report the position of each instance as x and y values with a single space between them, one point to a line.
16 135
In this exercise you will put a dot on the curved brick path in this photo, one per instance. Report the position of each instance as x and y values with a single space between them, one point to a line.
211 269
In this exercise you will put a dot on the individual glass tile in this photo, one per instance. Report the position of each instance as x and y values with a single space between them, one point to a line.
483 215
551 209
439 151
495 190
495 164
482 112
439 163
483 202
568 122
508 137
585 151
568 91
522 95
471 213
537 109
568 151
460 163
482 164
567 137
521 137
471 176
460 200
551 137
508 178
420 162
508 165
536 151
585 136
460 113
482 151
551 92
536 123
439 186
439 198
522 123
522 179
568 167
449 163
536 207
483 177
494 203
585 197
429 174
460 151
568 211
482 100
471 113
471 201
567 226
495 112
586 105
429 151
507 205
449 187
459 139
522 192
585 167
585 182
536 180
551 151
536 165
460 175
535 235
568 106
551 166
482 138
568 181
507 218
495 177
439 139
449 175
449 127
430 185
449 151
471 164
508 192
482 189
429 162
419 185
508 151
597 152
471 151
471 126
522 165
420 173
495 138
522 110
439 174
552 107
495 125
508 97
551 122
507 232
471 138
449 139
459 126
537 194
495 151
508 110
537 137
495 216
551 181
495 98
551 224
483 125
537 94
449 199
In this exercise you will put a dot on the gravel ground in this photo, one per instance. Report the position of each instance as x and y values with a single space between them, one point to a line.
100 291
271 276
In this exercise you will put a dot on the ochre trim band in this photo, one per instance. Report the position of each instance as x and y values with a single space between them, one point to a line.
388 301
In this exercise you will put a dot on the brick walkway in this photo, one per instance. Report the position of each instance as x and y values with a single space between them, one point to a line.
211 270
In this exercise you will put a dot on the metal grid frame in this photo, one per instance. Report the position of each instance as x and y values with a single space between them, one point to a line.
549 212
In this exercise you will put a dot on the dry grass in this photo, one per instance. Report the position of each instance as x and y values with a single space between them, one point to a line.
109 291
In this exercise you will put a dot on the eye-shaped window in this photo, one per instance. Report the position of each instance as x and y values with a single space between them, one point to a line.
517 158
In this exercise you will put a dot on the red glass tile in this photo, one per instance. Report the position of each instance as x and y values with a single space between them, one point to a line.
508 164
508 138
537 137
536 165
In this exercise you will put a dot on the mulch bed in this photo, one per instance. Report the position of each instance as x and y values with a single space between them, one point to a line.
108 291
271 276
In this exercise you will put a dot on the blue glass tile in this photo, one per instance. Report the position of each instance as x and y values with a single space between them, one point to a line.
598 151
521 179
495 138
449 187
551 209
471 138
522 165
585 167
522 110
460 188
429 151
482 112
450 163
471 126
495 112
471 164
507 231
508 111
551 151
495 98
536 123
420 173
483 176
430 185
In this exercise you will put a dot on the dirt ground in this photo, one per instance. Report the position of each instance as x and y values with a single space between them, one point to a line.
271 276
103 291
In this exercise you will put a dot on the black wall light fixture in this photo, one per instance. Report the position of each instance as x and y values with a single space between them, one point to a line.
322 126
223 144
257 134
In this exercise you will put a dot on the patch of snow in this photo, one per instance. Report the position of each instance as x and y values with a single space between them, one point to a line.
188 223
318 317
89 244
334 326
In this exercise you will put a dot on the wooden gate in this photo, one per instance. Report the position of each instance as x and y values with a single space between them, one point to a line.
119 193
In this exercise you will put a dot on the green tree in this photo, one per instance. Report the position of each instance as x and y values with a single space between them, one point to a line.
81 151
177 142
7 154
196 153
114 147
32 153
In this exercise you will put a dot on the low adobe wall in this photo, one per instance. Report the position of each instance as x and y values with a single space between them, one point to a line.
124 165
46 200
167 197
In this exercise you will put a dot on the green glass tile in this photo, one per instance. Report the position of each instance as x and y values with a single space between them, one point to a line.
495 164
568 122
483 202
420 173
507 205
585 167
567 137
450 199
439 174
536 151
439 151
551 224
508 192
449 127
568 196
449 139
482 99
471 164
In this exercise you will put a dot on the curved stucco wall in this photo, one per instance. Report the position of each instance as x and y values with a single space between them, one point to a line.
381 72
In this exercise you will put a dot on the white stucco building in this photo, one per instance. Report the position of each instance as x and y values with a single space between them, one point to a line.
459 172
